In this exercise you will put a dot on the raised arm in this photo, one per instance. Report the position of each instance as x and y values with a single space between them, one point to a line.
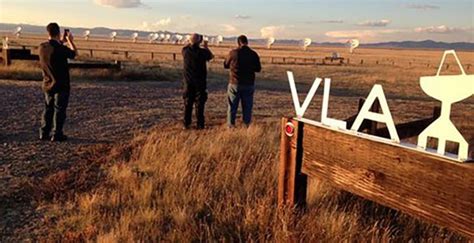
72 46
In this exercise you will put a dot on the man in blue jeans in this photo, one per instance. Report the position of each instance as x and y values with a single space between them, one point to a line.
243 63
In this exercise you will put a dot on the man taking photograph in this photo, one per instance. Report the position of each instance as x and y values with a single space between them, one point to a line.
195 79
56 82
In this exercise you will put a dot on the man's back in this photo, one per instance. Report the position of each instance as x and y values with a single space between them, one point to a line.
243 63
53 61
195 69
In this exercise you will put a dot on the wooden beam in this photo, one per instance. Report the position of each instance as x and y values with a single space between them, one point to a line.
423 185
291 182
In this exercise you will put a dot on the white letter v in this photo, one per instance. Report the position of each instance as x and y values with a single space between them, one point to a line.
300 110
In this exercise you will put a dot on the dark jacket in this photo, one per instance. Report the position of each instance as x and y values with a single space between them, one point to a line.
243 63
53 61
195 64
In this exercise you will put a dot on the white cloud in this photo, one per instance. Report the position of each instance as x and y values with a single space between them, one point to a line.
119 3
272 31
422 6
375 23
360 34
230 29
441 29
240 16
332 21
161 23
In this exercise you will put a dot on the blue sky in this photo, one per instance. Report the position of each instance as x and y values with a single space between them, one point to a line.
336 20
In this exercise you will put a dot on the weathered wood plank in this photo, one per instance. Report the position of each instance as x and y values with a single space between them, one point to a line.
423 185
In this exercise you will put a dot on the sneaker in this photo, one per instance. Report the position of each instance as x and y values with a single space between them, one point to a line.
58 138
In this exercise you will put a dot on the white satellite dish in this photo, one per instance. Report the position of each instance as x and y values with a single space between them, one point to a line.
167 37
219 39
270 42
134 37
306 42
353 44
205 38
86 34
17 31
153 37
113 36
187 38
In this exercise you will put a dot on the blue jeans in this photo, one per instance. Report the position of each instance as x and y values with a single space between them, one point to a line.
237 93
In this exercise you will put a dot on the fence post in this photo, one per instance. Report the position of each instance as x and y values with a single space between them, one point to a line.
361 61
91 53
174 56
6 57
126 54
152 56
292 183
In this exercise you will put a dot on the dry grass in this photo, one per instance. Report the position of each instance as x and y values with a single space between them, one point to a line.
197 186
220 185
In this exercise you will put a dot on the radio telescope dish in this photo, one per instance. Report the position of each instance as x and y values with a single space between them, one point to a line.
162 37
113 36
353 44
205 38
17 31
153 37
270 42
219 39
167 37
134 37
178 39
86 34
306 42
187 38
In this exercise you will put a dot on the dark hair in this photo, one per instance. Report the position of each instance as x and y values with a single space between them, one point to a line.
53 29
242 39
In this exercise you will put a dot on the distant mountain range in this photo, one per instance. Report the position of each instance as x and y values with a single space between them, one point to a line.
103 31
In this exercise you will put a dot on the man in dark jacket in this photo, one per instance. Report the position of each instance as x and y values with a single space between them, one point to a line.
53 61
195 79
243 63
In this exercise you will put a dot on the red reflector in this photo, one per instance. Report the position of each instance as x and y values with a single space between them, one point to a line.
289 129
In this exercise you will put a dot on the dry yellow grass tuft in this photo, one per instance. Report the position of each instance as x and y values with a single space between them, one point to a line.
219 185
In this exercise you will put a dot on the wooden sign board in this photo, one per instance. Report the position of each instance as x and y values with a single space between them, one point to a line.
418 183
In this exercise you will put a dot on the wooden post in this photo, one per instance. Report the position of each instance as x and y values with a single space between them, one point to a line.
6 57
126 54
152 56
174 56
91 53
361 61
291 182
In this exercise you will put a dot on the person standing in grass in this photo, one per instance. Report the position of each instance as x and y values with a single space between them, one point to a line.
53 56
243 63
195 60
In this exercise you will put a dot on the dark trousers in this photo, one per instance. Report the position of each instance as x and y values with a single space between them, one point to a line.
236 94
194 95
54 113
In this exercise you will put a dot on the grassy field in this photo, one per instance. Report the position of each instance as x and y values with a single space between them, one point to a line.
165 184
